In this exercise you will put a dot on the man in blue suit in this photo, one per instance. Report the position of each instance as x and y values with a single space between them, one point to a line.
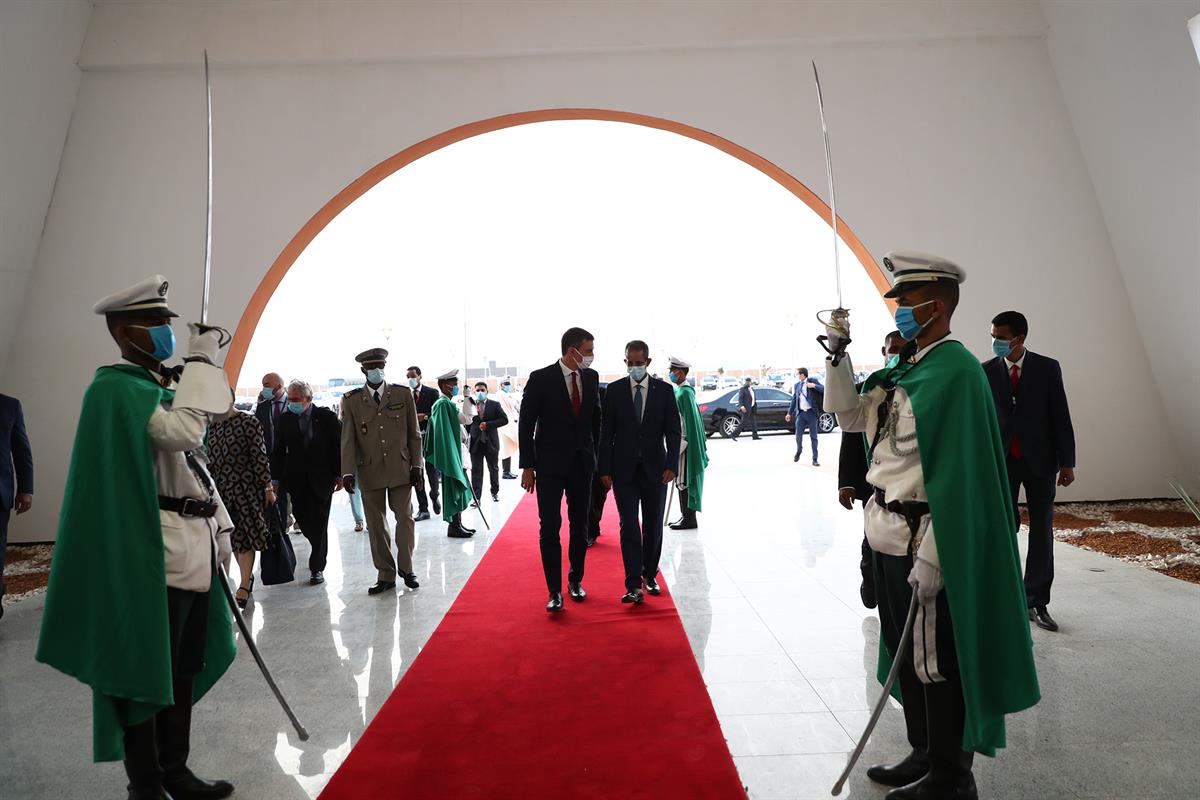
806 410
640 431
1035 426
16 471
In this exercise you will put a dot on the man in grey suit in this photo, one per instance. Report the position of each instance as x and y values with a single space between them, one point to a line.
16 471
381 448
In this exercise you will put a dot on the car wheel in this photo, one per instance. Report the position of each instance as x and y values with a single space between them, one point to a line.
827 422
730 425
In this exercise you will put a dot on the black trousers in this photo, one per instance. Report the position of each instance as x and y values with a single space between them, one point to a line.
1039 562
506 463
4 517
934 712
641 543
750 420
434 476
156 750
312 514
493 465
599 498
576 483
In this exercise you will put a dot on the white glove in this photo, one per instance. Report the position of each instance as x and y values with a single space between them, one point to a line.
203 346
926 580
224 549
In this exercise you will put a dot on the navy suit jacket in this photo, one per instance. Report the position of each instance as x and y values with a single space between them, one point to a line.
1039 417
16 457
481 441
653 444
315 463
552 440
816 397
265 414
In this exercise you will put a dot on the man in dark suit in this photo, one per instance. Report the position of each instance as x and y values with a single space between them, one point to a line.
1035 426
599 494
806 410
748 407
852 477
307 463
559 427
425 396
639 450
483 441
272 402
16 472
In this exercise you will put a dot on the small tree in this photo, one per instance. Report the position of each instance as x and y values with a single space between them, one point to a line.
721 371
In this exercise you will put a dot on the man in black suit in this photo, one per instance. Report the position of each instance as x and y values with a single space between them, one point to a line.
748 406
1035 426
16 472
639 449
559 427
483 441
599 494
307 463
425 396
852 477
272 402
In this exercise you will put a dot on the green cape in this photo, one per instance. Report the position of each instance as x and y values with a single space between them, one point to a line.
443 449
105 620
966 481
696 453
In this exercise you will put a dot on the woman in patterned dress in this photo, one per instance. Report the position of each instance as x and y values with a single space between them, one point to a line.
237 453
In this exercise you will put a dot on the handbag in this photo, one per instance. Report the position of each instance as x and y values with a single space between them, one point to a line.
278 560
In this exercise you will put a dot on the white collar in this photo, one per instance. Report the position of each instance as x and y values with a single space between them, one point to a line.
1019 363
565 369
924 351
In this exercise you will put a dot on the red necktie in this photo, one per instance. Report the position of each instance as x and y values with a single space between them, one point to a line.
576 401
1014 448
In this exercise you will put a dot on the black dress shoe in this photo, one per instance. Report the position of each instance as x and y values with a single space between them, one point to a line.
495 497
458 532
867 592
816 463
316 579
410 580
927 788
193 788
685 524
576 591
1043 619
652 587
555 603
421 516
914 767
591 540
437 506
632 596
796 458
508 476
381 586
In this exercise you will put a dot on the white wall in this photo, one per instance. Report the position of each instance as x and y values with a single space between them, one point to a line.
947 122
39 45
1131 81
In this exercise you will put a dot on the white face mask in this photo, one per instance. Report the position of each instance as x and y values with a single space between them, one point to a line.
584 361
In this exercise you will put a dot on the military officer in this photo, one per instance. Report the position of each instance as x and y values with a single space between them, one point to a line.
381 451
133 607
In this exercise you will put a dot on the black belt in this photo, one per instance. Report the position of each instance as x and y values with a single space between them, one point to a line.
187 506
912 512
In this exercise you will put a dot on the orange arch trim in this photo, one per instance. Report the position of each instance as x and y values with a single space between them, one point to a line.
361 185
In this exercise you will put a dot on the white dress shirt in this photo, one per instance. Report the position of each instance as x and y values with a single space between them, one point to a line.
1019 364
567 372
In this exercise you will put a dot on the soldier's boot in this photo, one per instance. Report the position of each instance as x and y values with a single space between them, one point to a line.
174 728
141 762
949 775
455 529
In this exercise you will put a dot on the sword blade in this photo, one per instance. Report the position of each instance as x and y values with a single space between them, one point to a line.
209 200
837 266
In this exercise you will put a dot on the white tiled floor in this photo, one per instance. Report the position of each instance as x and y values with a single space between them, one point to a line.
768 593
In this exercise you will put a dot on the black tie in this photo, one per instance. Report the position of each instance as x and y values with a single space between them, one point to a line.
376 397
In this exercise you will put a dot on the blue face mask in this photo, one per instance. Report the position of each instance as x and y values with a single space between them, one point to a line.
414 383
480 397
296 408
506 388
906 321
676 378
163 339
375 376
454 391
267 393
637 373
1001 347
892 361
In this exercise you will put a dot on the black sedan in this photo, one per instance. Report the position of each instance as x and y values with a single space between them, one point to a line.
720 413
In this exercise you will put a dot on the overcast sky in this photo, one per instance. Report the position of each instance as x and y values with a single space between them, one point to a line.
491 247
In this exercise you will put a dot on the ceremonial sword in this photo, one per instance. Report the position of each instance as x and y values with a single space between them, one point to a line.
837 327
223 577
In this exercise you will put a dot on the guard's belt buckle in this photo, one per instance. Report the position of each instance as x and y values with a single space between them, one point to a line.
192 507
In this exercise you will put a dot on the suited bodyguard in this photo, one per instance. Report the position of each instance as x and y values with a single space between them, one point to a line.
307 464
559 428
1039 441
639 451
381 445
16 472
483 440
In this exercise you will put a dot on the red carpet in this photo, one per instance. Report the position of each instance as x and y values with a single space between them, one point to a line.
507 701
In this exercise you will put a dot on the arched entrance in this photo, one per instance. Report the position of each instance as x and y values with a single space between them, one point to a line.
357 188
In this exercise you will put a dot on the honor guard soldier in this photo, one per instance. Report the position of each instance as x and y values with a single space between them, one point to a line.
133 607
693 458
443 449
935 460
381 453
